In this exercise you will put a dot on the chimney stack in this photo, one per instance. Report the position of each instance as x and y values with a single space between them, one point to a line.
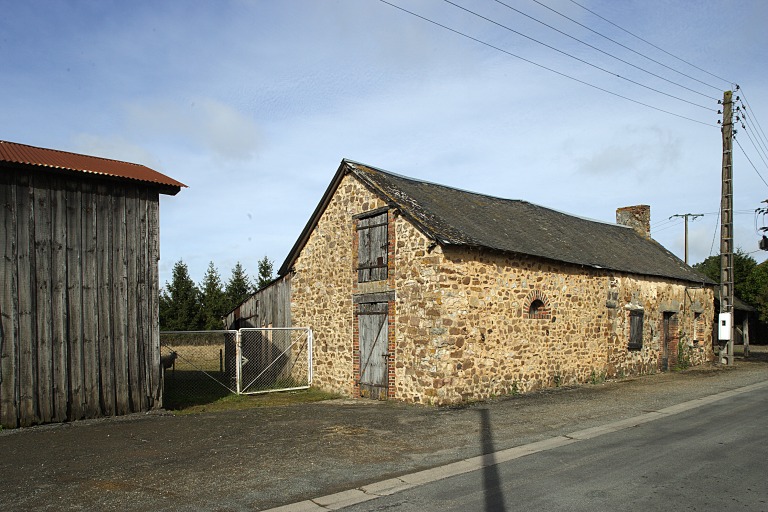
636 217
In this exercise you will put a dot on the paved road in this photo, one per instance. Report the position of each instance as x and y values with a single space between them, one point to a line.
708 458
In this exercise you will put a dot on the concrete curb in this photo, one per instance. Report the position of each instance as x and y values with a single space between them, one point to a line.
375 490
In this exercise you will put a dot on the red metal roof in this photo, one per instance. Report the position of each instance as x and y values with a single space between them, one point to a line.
13 152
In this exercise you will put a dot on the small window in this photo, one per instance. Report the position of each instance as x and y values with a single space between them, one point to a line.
536 308
636 329
372 248
698 328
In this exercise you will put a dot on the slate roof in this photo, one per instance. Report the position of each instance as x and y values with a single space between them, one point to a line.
453 217
53 159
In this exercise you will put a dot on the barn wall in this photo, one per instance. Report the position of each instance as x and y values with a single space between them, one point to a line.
269 307
79 335
465 333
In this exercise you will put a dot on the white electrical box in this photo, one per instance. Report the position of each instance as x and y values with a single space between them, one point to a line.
724 327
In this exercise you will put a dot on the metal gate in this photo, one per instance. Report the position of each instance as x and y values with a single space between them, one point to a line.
200 366
273 359
373 331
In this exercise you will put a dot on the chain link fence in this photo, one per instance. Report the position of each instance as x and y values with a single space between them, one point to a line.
275 359
201 367
195 367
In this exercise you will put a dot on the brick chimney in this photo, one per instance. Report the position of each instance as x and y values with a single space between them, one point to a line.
636 217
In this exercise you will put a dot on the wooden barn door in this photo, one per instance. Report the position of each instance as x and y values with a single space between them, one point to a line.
373 332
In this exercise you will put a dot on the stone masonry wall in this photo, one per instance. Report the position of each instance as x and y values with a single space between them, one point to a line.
465 332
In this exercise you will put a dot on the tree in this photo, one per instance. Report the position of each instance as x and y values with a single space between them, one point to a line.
743 265
238 287
213 301
180 302
265 272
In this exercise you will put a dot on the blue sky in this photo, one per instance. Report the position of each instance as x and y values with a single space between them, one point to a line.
254 103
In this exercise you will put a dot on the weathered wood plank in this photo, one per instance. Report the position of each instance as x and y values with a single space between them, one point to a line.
104 283
90 287
42 272
119 303
142 304
9 407
59 341
74 277
132 311
27 367
153 243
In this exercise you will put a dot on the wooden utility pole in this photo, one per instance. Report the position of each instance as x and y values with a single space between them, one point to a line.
693 217
726 227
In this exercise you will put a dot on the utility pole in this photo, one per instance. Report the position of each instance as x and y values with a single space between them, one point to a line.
693 217
726 229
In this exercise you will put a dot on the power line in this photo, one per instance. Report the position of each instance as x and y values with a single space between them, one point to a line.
750 110
650 43
601 50
583 61
626 47
750 161
489 45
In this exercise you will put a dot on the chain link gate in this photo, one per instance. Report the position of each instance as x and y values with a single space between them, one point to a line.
202 366
274 359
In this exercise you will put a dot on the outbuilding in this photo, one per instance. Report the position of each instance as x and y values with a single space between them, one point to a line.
425 293
79 335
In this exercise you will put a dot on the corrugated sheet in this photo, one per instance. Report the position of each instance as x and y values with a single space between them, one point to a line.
13 152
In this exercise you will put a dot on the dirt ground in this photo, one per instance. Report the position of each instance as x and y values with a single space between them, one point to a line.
263 457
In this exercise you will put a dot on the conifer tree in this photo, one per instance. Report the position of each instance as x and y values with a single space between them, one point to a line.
265 272
213 301
180 302
238 287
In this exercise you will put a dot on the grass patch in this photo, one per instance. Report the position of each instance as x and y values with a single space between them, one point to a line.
234 402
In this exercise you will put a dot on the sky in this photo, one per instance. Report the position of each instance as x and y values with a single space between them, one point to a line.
253 105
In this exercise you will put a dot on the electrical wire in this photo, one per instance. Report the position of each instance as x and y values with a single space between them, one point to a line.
714 235
564 75
746 103
601 50
756 148
650 43
746 124
626 47
583 61
750 161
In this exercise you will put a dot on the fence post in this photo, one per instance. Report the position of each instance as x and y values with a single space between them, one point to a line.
310 342
238 360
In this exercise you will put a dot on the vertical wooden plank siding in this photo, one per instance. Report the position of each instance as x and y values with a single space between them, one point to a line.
79 326
25 301
119 302
74 301
153 292
131 341
104 280
59 341
43 313
9 407
91 390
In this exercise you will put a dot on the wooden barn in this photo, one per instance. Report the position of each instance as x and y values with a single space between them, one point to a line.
79 335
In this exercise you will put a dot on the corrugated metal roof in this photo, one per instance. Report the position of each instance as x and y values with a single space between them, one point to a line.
16 153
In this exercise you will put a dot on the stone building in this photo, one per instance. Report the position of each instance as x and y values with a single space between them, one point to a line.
425 293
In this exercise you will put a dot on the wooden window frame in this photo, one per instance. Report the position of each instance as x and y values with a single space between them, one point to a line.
374 265
636 320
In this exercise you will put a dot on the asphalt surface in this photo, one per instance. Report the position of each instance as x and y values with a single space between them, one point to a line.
267 457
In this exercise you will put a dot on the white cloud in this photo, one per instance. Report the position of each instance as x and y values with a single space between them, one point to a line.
203 122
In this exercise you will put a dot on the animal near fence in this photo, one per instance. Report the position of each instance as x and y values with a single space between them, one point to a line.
202 366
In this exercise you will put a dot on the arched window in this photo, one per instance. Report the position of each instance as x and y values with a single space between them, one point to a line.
538 306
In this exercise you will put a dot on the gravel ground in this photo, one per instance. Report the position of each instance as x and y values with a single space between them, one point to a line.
260 458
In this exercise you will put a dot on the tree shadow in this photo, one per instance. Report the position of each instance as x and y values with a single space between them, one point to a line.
492 490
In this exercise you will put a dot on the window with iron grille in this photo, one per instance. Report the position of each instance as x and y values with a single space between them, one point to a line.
372 248
636 329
